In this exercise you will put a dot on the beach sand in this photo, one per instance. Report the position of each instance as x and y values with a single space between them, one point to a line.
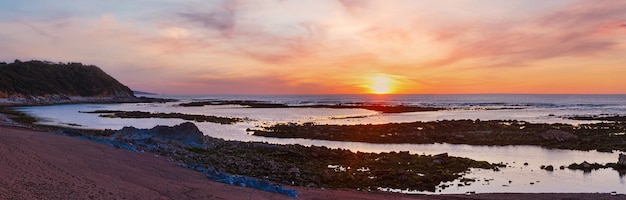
40 165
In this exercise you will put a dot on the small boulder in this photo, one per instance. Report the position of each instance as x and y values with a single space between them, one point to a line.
585 165
622 159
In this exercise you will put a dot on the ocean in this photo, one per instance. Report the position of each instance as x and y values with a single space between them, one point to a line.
530 108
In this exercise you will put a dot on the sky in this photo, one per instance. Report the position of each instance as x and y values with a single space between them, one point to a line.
330 46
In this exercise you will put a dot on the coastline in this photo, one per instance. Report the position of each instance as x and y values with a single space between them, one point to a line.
63 99
41 164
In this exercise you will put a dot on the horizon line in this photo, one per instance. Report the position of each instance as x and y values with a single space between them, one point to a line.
296 94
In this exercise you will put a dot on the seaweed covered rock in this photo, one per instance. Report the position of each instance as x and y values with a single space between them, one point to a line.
185 134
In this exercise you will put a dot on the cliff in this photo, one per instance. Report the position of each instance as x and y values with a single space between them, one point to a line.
58 80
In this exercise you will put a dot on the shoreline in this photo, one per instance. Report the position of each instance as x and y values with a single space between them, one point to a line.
59 165
350 192
63 99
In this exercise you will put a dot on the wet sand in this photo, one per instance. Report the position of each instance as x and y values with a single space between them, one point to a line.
40 165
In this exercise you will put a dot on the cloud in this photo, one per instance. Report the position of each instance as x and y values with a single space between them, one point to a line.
267 40
569 31
261 84
354 6
292 46
222 21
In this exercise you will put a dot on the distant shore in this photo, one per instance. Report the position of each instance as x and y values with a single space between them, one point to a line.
62 99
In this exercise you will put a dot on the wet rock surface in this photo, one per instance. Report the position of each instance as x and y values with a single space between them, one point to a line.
603 137
290 164
602 117
588 167
190 117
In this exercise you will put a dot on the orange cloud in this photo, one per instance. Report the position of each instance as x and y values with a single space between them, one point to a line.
335 46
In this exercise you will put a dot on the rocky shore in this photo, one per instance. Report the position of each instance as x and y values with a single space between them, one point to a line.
604 137
42 166
141 114
295 165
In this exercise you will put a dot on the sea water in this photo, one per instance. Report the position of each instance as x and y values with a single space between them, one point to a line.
531 108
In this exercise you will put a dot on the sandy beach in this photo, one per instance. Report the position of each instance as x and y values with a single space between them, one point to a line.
40 165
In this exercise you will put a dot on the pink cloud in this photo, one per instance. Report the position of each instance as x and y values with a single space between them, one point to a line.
222 19
266 84
354 6
570 31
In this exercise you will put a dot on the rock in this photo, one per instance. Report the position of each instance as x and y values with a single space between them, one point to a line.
622 159
185 134
294 170
585 165
442 155
558 135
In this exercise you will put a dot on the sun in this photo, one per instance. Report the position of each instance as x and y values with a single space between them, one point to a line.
380 84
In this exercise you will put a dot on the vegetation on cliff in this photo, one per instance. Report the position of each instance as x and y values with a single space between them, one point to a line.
43 78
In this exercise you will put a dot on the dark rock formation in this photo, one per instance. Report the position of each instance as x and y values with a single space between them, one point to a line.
190 117
585 166
602 117
185 134
473 132
622 159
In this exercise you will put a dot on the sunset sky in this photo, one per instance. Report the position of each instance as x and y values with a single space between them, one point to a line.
330 46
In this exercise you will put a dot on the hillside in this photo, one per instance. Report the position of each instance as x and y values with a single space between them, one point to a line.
43 78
